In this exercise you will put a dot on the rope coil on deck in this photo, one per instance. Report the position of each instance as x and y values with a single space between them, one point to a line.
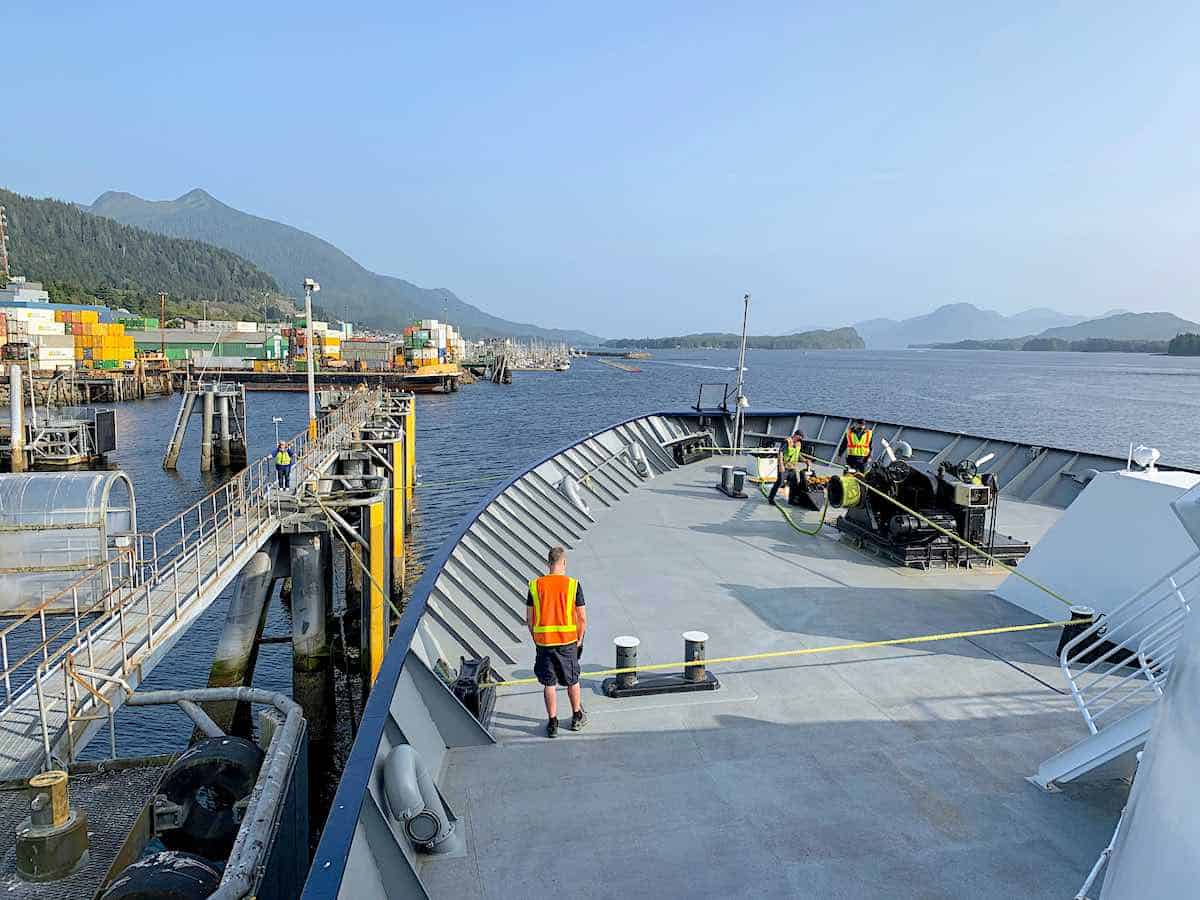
806 651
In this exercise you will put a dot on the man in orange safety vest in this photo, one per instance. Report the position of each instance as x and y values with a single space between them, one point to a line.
557 619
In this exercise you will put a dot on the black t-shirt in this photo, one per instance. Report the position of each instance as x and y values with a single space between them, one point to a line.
578 596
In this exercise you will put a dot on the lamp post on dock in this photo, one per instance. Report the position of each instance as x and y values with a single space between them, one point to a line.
310 287
739 397
275 420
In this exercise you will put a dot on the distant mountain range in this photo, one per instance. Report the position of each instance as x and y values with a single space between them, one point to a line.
959 321
1151 326
834 339
290 255
1122 332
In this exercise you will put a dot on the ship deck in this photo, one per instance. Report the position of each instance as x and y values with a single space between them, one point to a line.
894 771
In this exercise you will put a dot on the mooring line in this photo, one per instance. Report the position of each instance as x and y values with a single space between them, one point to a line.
806 651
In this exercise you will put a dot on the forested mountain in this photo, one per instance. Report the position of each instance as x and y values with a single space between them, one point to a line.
291 255
835 339
1151 326
81 257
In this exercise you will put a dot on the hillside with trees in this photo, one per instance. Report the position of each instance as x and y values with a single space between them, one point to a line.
1186 344
81 258
835 339
291 255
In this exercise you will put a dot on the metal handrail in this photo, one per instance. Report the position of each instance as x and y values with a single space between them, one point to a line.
209 536
1126 655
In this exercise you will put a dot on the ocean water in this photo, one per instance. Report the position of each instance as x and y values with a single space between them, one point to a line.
465 441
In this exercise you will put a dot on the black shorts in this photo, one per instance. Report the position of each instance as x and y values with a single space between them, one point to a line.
557 665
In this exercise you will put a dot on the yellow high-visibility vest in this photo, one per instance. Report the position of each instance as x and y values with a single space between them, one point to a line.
860 445
554 610
283 458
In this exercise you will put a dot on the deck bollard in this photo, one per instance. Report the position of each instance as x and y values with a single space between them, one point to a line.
693 649
627 654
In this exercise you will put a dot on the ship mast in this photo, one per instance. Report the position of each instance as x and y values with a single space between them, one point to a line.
739 397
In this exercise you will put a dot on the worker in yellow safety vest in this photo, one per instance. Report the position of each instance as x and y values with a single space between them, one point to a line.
557 619
857 444
283 463
789 464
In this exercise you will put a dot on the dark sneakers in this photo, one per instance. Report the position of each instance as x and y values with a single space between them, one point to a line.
579 721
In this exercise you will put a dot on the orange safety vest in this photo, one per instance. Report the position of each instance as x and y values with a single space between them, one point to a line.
858 446
554 610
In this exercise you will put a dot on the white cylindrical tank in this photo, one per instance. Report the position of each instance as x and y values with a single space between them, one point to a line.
54 527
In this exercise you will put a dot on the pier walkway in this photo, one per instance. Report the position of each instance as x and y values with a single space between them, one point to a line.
65 675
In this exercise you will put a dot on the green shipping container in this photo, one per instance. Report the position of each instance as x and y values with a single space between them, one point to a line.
176 353
105 364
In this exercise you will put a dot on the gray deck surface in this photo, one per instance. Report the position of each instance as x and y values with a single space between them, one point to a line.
892 772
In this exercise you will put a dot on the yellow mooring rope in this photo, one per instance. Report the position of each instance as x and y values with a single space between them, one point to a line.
807 651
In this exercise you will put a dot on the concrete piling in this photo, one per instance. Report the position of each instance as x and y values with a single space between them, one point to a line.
171 459
226 437
238 452
310 639
206 433
237 651
16 414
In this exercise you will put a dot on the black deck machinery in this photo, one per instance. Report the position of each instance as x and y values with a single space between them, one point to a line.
952 495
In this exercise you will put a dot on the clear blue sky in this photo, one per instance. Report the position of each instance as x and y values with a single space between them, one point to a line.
633 168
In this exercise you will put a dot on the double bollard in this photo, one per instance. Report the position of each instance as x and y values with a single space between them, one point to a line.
694 675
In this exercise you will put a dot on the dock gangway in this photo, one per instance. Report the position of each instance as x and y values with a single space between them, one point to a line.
64 675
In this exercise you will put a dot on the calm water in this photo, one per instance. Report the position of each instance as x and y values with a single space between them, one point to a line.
1098 402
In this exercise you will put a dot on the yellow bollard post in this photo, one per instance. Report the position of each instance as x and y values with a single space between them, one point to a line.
410 448
398 499
377 607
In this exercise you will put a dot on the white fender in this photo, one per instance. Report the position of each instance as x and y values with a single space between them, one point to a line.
570 489
641 465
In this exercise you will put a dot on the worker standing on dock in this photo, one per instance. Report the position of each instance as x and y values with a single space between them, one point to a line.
857 443
557 620
283 463
788 464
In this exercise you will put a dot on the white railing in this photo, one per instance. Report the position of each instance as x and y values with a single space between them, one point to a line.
121 609
1123 660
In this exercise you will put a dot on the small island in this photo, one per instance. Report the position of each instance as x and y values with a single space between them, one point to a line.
833 339
1087 345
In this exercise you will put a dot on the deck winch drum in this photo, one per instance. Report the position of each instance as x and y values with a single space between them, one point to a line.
54 527
844 492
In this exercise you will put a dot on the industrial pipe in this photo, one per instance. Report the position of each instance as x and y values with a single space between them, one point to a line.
414 800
